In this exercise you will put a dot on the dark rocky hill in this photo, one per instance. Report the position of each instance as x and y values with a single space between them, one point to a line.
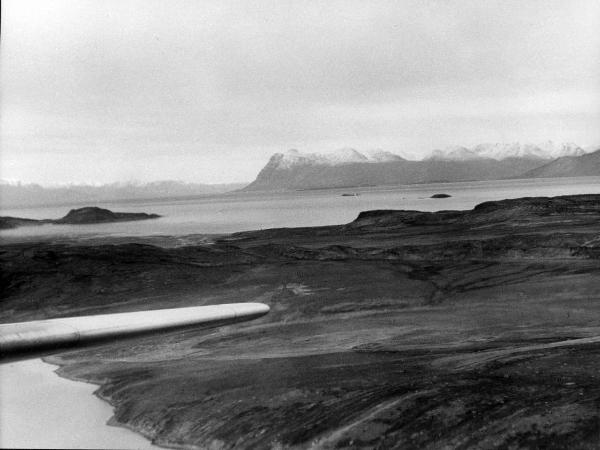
80 216
93 214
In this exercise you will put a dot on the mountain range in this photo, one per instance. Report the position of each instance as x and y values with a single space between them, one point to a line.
348 167
569 166
17 194
500 151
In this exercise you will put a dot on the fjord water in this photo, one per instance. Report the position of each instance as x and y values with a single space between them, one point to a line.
42 410
240 211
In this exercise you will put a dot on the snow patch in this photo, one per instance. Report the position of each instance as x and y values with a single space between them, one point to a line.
544 151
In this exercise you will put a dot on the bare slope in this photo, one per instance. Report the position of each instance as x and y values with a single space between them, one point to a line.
569 166
403 329
312 176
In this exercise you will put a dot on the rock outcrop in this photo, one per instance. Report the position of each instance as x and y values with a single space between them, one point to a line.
80 216
93 214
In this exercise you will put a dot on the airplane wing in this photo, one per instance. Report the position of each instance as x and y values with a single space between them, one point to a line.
24 340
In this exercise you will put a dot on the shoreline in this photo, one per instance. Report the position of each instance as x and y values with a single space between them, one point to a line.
56 361
64 413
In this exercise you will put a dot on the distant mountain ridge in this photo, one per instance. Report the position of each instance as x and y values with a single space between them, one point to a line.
348 167
12 194
569 166
500 151
497 151
293 158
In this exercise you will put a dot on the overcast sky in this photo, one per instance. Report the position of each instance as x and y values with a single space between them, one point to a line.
205 91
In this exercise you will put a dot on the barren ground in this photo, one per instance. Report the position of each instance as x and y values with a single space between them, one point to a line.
477 329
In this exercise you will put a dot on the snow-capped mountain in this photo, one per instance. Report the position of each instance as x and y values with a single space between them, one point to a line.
568 166
564 149
379 155
545 150
456 153
349 167
345 156
499 151
293 158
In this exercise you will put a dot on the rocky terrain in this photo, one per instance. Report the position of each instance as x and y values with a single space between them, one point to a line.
402 329
80 216
348 167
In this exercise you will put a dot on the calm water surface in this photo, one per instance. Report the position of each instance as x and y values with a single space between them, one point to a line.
250 211
39 409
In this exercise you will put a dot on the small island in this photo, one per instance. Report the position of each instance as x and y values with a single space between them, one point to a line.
80 216
440 196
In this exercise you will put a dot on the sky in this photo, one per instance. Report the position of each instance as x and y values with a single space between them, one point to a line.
206 91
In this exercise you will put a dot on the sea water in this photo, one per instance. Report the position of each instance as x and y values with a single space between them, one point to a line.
39 409
240 211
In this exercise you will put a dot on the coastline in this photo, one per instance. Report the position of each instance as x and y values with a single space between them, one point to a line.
59 365
66 414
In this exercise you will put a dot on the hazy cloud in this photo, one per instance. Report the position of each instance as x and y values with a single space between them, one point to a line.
206 91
